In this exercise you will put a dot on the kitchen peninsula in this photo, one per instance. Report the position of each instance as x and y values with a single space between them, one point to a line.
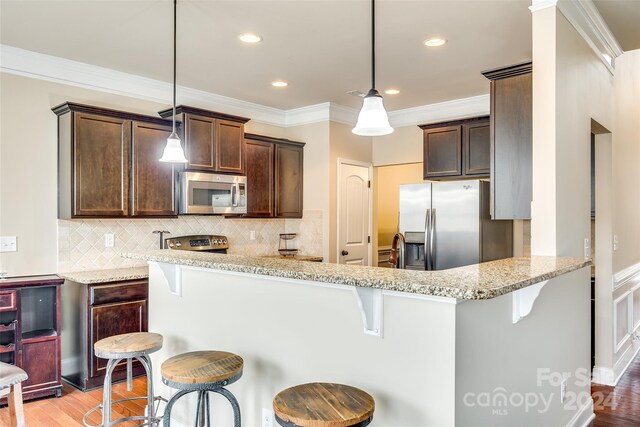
463 346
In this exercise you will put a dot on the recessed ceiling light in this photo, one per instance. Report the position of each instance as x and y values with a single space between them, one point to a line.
392 91
435 42
279 83
250 38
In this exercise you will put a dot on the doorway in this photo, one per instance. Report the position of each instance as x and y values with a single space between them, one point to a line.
354 212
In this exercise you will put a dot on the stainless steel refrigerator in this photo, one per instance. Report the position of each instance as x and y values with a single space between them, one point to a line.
447 224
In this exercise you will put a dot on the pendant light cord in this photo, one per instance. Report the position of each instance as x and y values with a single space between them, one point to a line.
175 26
373 44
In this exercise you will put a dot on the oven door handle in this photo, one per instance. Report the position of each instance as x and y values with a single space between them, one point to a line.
234 195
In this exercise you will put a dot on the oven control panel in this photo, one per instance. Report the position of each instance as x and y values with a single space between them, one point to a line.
198 243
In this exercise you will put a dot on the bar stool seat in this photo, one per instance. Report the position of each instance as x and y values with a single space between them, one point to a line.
323 405
11 378
136 345
202 372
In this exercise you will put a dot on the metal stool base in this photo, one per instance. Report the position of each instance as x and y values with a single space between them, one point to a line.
284 423
203 389
105 407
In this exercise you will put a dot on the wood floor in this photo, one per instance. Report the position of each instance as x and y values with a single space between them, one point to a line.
68 410
619 407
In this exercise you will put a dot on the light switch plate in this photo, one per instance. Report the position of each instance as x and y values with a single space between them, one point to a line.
8 244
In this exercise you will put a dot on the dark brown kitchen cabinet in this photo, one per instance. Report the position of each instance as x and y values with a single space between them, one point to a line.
108 164
511 141
274 177
213 142
97 311
30 332
288 177
456 149
260 178
152 182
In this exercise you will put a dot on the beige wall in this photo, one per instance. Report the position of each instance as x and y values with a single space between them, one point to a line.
387 186
343 145
404 145
28 165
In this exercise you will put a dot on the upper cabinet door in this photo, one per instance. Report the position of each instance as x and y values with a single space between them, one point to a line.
230 146
101 150
260 178
153 182
442 152
288 180
511 141
199 142
477 148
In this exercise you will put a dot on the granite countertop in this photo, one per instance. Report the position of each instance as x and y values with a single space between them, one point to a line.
105 276
473 282
311 258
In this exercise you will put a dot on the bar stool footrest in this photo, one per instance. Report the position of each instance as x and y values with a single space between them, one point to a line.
151 420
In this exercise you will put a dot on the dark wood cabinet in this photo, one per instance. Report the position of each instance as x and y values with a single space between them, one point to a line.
274 177
108 164
94 312
260 178
153 183
213 142
288 178
30 332
456 149
511 141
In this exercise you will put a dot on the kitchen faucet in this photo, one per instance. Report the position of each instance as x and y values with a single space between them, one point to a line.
161 233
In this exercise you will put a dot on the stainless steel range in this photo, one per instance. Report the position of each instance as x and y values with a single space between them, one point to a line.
200 243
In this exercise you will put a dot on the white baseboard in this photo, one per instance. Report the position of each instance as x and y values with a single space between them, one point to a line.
610 377
584 416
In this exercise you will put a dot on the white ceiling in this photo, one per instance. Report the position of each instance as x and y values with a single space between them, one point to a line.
320 47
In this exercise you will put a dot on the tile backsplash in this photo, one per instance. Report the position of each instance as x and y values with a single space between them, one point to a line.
81 243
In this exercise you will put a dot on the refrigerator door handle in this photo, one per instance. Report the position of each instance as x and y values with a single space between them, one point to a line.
432 238
427 231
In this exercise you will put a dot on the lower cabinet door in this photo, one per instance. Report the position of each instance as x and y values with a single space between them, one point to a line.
40 362
114 319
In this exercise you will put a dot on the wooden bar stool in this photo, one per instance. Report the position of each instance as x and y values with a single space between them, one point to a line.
137 345
323 405
11 378
202 372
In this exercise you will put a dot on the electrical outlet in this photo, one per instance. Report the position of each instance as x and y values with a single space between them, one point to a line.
252 235
587 248
615 242
563 390
109 240
267 417
8 244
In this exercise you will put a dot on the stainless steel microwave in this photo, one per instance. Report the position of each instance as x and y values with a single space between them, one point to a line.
209 193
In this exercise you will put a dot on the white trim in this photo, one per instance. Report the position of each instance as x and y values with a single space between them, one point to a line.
369 167
523 299
442 111
60 70
585 18
610 377
634 326
584 416
603 375
622 277
617 345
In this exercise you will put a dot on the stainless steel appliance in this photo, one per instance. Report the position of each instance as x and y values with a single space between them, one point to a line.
200 243
209 193
447 224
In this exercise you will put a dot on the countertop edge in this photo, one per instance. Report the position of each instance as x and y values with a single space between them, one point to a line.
430 289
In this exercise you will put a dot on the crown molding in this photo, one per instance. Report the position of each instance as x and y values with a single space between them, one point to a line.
60 70
586 19
440 112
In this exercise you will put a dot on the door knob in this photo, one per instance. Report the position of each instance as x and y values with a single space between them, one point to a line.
345 253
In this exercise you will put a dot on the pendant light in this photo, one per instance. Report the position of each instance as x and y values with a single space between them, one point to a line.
373 119
173 150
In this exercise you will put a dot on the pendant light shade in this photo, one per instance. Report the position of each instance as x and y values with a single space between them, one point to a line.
173 152
373 119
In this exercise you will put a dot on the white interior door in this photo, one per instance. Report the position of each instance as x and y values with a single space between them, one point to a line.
354 213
